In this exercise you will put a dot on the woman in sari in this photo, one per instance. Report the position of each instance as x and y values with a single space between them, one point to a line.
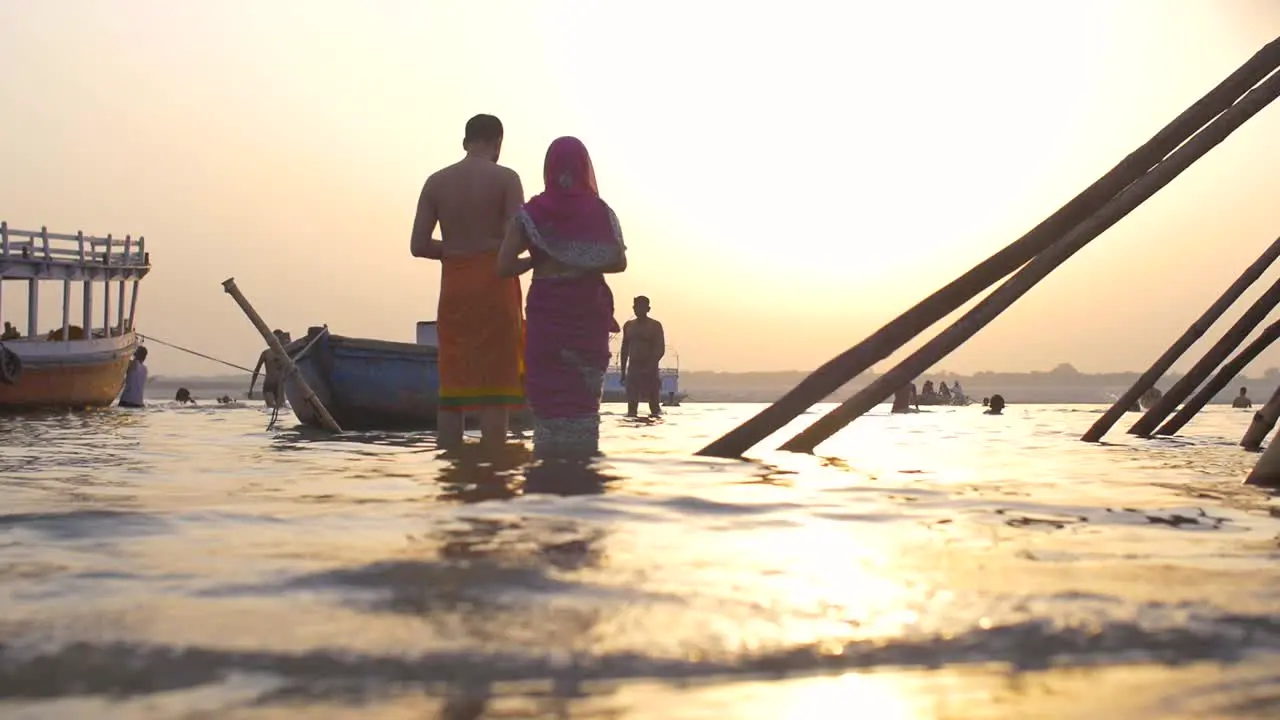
573 239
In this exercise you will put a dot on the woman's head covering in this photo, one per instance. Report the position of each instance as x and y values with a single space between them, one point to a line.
568 220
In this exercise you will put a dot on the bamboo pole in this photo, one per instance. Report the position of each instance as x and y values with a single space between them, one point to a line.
831 376
1266 472
1221 379
1176 350
276 349
1263 420
1015 287
1229 341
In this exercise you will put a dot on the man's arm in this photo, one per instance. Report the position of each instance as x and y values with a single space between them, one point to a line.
421 244
512 196
254 379
661 341
509 263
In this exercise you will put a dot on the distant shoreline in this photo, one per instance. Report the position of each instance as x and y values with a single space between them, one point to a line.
1057 387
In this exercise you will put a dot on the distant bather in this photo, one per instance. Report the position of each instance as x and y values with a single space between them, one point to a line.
1242 400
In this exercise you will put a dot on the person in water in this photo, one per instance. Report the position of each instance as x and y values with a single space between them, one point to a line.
479 320
643 345
1242 400
183 396
996 406
943 391
10 332
273 379
573 239
135 380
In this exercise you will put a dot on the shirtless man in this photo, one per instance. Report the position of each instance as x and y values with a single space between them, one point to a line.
273 380
480 316
643 345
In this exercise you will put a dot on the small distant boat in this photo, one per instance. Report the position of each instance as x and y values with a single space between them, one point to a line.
936 399
69 366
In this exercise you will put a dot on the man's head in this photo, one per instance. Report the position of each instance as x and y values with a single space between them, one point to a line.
641 306
282 336
140 354
1244 390
483 137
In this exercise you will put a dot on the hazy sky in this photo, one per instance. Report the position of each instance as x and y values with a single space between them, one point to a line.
789 176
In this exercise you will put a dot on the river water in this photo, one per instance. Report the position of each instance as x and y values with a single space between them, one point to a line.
189 563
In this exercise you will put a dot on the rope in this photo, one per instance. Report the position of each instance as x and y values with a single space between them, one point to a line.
193 352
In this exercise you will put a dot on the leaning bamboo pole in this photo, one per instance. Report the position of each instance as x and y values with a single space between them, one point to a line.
1197 329
1266 472
1015 287
1229 341
831 376
277 350
1263 420
1221 379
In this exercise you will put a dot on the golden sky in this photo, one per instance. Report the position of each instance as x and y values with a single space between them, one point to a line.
789 176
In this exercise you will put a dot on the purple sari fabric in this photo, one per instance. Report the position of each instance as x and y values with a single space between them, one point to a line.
569 317
567 346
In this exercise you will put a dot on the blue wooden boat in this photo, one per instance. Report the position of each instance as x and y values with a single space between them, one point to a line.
366 384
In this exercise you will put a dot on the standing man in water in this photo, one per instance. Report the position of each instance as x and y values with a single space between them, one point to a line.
643 345
273 380
135 380
480 321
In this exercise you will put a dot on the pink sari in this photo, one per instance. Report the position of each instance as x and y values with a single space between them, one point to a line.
569 317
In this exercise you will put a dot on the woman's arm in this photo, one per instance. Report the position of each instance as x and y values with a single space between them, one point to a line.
510 264
619 266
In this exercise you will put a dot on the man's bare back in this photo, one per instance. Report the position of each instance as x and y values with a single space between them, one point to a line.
473 200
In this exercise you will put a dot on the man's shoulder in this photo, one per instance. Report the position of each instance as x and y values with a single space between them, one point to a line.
463 169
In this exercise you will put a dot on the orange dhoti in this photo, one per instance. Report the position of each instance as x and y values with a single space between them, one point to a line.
480 324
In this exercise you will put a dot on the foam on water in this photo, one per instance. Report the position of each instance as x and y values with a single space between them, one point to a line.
948 564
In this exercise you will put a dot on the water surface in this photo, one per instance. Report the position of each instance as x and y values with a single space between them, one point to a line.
190 563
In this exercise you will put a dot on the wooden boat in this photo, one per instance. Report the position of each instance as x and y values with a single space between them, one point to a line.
366 384
370 384
68 367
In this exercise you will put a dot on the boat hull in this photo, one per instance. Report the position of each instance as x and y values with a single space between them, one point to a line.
366 384
68 374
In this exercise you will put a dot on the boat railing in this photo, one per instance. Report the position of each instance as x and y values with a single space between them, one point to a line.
42 246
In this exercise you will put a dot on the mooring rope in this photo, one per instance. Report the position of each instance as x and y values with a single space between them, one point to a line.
148 338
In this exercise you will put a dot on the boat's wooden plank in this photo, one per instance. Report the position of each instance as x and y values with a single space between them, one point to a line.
386 346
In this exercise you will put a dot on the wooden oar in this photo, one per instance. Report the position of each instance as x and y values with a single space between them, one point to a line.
282 357
830 377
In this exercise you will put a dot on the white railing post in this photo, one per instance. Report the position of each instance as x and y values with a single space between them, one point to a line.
88 284
133 300
106 289
128 242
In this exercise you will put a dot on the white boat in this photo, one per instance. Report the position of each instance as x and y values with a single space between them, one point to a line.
74 364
